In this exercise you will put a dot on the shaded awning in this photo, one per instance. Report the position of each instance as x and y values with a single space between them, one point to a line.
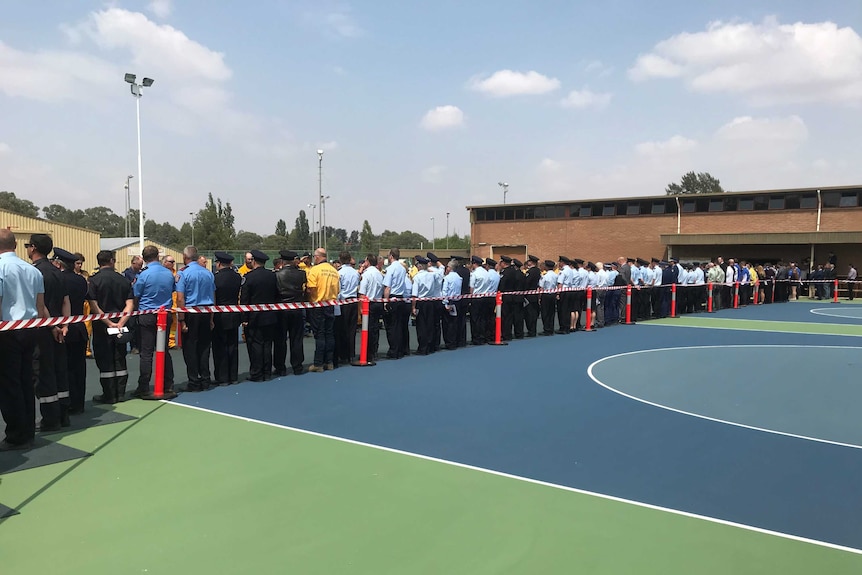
780 238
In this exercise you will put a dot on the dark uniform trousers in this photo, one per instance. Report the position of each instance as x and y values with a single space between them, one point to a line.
531 315
110 356
49 376
197 344
76 364
147 325
345 334
513 317
290 330
225 353
565 307
461 321
396 317
322 321
16 385
548 302
450 325
478 320
375 314
258 341
425 329
438 325
489 308
612 306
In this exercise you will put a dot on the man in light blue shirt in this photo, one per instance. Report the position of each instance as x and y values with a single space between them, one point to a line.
451 307
425 286
195 287
345 322
154 290
480 283
396 311
22 296
371 287
548 299
566 300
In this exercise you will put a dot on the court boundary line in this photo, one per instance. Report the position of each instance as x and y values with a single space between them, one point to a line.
715 419
757 329
503 474
818 310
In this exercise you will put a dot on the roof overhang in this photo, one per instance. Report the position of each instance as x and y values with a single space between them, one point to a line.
792 238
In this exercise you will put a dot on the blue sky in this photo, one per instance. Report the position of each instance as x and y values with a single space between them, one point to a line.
422 107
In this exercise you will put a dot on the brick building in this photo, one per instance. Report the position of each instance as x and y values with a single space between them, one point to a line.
759 226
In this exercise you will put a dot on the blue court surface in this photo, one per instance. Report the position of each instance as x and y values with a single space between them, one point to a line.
757 428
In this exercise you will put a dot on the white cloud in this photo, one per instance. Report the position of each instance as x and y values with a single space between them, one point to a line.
769 62
336 23
549 165
586 99
433 174
161 8
767 130
442 117
598 68
4 148
509 83
675 145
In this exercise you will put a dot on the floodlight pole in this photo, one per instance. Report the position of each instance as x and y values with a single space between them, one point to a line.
505 187
138 92
322 241
447 230
433 235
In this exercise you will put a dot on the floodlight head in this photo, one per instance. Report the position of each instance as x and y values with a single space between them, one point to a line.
504 184
320 153
147 82
130 78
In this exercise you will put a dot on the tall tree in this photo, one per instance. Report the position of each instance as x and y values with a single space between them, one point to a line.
691 183
281 228
353 240
300 236
366 238
247 241
9 201
215 226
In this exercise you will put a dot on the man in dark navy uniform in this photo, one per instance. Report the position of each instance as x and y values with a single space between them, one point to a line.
259 286
225 338
531 283
291 322
462 305
76 336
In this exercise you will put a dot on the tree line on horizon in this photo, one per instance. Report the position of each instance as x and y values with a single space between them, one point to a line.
214 229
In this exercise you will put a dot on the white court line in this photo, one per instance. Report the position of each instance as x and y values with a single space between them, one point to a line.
529 480
822 310
752 427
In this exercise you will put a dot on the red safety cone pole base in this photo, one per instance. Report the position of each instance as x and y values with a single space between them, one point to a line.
358 363
166 395
498 321
363 360
159 391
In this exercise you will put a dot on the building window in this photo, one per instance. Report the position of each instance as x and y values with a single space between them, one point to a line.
830 199
730 204
597 210
539 212
791 202
776 202
555 211
575 210
633 209
688 206
746 204
658 208
519 213
849 200
609 210
508 214
716 205
761 202
585 211
808 201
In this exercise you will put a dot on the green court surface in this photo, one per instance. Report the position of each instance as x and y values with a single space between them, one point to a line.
187 491
761 325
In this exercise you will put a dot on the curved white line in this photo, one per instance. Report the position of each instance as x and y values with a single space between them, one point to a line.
822 310
715 419
760 330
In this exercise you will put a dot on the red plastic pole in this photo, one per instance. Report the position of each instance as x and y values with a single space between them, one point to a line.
161 327
835 292
736 295
589 319
363 345
498 320
756 290
628 305
709 298
673 300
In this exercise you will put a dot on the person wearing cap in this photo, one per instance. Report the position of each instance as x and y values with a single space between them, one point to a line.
259 286
668 278
493 268
346 320
76 336
323 284
396 311
305 261
508 283
225 332
22 297
548 298
291 322
435 266
461 305
195 287
480 284
565 281
110 292
52 385
371 287
153 290
532 275
451 294
425 285
579 296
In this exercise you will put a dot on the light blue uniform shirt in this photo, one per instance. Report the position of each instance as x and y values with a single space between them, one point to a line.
494 278
424 283
592 280
682 277
566 277
20 283
548 282
698 275
371 285
451 285
197 284
581 278
155 287
656 274
348 279
395 279
637 275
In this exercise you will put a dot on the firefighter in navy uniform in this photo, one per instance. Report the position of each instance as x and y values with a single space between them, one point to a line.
76 337
259 286
531 283
225 339
291 322
462 305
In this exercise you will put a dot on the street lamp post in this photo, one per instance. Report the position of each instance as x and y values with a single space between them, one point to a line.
323 220
313 223
322 240
447 230
128 227
505 187
192 214
433 239
137 92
